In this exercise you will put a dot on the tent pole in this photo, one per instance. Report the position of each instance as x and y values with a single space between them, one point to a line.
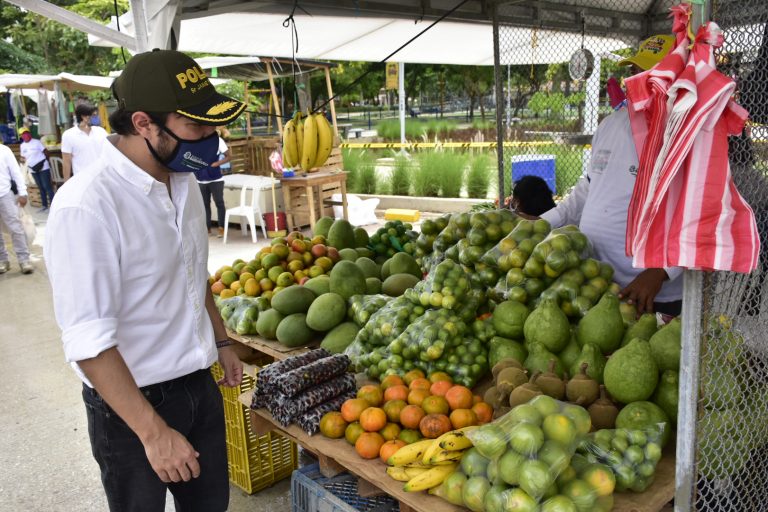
332 102
247 114
274 98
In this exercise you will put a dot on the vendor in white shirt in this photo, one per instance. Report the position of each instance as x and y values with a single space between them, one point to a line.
599 202
80 145
35 155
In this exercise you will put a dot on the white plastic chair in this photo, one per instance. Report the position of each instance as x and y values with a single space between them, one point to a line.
247 213
57 165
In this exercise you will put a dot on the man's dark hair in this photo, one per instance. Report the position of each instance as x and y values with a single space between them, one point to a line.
533 195
121 123
84 109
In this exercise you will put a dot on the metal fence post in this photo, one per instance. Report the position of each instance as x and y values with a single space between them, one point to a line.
499 112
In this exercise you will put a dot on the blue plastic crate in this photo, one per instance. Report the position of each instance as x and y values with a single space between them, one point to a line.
312 492
542 166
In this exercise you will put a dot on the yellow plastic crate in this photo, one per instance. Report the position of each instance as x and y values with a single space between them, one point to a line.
254 462
402 214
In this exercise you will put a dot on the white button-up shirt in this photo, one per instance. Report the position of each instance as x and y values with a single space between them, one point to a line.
84 147
128 268
9 168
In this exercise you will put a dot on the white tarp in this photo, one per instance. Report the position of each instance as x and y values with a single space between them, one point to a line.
372 39
68 82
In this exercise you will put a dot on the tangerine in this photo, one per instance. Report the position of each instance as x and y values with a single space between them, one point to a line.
413 375
389 448
393 408
461 418
396 392
476 399
433 426
333 425
373 419
369 444
353 408
411 416
420 383
371 394
409 435
459 397
435 405
226 293
352 432
484 412
390 431
440 388
391 380
440 377
417 396
217 287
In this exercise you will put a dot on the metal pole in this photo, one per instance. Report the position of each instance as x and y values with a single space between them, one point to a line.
499 101
401 93
140 26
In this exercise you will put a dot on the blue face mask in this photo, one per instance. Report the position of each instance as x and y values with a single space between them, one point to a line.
95 120
189 155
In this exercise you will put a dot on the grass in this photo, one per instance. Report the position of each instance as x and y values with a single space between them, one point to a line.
414 129
440 173
568 166
479 124
453 165
400 179
367 181
479 176
356 163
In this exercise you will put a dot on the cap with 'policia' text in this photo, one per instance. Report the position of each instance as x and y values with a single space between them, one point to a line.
650 52
169 81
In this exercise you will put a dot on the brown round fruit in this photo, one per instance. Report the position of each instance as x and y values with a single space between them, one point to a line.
433 426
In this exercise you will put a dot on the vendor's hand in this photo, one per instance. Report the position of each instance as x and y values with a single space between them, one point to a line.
216 163
22 201
643 289
233 367
171 456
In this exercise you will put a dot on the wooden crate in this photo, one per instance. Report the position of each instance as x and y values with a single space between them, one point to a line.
300 203
251 156
33 196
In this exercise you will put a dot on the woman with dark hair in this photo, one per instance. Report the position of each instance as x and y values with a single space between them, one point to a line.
532 196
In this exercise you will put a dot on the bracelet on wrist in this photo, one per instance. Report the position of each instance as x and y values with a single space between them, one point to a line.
223 343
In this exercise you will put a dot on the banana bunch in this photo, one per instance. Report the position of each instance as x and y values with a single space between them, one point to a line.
425 464
307 141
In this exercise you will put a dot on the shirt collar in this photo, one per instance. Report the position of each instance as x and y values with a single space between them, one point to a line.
128 170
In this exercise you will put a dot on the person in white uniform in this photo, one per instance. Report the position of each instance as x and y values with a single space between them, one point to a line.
35 155
10 202
80 145
599 202
127 256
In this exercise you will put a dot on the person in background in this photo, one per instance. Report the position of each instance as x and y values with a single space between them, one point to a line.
34 153
211 182
532 196
600 200
127 259
80 145
10 202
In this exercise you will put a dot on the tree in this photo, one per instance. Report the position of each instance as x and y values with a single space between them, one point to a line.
525 81
61 47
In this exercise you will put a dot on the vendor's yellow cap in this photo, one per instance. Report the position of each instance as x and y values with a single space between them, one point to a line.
650 52
23 129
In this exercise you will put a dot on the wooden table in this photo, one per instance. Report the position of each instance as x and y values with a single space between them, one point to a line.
304 195
271 348
336 455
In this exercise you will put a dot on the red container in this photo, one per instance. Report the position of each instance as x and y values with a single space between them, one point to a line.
269 221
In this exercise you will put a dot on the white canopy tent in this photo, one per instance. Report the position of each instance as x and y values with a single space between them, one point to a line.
67 82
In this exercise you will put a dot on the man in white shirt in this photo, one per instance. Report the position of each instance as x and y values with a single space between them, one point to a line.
9 211
80 145
599 202
35 155
127 252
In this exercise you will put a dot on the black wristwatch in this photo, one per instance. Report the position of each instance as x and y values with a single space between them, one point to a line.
223 343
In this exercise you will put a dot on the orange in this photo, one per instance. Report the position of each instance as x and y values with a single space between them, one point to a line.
412 375
440 377
353 408
435 405
484 412
373 419
459 397
396 392
390 431
391 380
420 383
369 444
333 425
476 399
440 388
433 426
411 416
461 418
217 287
389 448
393 408
417 396
371 394
352 432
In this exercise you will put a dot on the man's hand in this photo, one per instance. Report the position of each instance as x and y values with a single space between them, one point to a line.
171 455
22 201
216 163
643 289
233 367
